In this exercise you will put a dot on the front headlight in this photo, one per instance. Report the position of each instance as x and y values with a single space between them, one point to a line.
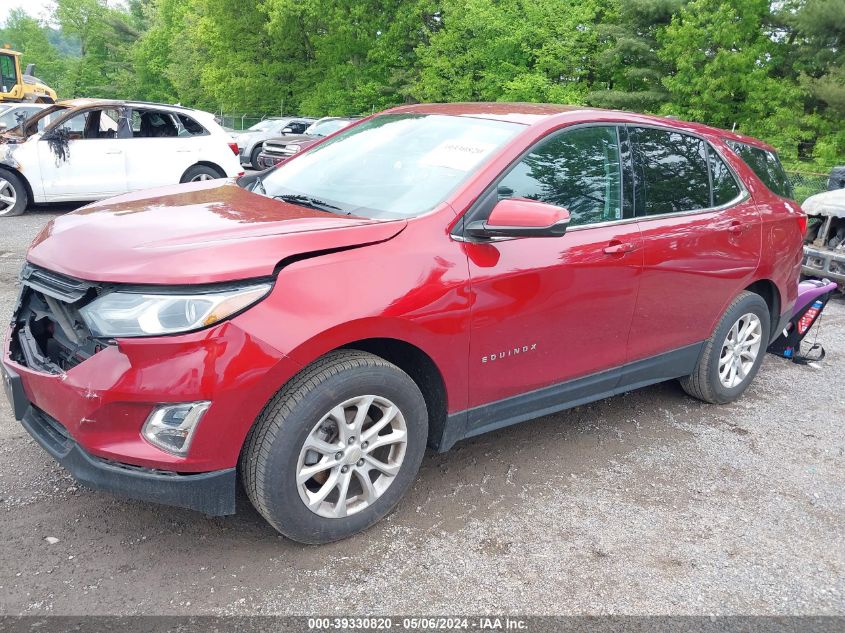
126 314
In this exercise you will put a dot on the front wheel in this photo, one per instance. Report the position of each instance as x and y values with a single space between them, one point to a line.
733 354
14 197
336 448
253 157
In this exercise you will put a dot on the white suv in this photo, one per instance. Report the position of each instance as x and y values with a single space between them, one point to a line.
91 150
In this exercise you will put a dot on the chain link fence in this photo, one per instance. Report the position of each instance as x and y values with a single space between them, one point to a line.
239 121
806 184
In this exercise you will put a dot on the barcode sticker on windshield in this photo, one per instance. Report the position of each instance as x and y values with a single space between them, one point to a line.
459 155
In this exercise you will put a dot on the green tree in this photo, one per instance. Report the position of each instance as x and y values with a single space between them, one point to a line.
728 71
630 70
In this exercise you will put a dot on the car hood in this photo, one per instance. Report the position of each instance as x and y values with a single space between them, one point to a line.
199 232
293 138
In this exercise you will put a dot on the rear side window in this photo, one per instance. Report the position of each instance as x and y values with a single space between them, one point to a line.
189 127
766 166
579 170
670 172
725 188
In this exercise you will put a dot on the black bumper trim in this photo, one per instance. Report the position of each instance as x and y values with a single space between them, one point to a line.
212 493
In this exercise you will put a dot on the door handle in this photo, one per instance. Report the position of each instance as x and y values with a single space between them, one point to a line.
619 248
114 151
737 228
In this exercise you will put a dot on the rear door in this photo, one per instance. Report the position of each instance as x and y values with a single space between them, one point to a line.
701 239
160 149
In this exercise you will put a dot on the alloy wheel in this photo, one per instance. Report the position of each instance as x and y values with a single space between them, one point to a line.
200 177
740 350
8 196
351 456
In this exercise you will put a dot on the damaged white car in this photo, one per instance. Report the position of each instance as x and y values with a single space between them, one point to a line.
824 244
93 149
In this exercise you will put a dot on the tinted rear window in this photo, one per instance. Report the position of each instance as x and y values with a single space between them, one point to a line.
725 188
766 165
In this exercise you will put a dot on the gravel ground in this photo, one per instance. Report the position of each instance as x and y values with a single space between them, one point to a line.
647 503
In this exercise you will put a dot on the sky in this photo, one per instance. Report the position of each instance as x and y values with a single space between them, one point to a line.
35 8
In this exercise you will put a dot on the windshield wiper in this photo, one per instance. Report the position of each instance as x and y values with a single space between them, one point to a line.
258 183
313 203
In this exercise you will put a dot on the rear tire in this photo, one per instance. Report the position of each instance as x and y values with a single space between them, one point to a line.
201 172
732 355
316 492
14 197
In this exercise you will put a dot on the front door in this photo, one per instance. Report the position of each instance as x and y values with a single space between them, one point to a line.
550 310
85 160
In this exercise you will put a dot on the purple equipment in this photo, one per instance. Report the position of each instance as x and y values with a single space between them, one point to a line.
813 296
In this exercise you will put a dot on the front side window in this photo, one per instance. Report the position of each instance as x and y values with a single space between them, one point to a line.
670 172
391 166
578 170
766 165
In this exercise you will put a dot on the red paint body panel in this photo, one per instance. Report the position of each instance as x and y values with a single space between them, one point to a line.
576 308
572 308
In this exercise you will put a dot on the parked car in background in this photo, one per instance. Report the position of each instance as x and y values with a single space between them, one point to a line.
93 149
279 149
251 141
824 248
429 274
13 114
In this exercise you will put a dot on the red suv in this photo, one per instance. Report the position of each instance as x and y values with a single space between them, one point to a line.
426 275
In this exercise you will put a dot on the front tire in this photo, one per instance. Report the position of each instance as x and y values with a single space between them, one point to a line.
253 157
733 353
338 446
14 198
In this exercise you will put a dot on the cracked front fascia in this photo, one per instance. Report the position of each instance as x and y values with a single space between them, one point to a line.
7 154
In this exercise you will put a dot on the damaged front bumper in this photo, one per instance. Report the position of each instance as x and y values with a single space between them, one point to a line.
822 262
210 492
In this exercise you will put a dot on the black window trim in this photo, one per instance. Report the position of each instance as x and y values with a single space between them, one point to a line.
173 114
475 211
727 141
743 191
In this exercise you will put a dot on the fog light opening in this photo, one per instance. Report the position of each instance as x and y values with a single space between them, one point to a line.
171 427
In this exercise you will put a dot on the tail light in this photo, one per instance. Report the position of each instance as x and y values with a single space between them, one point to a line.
802 223
234 147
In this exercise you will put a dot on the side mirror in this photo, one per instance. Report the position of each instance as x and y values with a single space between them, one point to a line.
519 217
287 130
3 127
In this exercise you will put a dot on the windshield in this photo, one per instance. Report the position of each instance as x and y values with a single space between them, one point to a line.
392 166
324 128
262 126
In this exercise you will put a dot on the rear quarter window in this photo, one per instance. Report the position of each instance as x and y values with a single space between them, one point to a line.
766 165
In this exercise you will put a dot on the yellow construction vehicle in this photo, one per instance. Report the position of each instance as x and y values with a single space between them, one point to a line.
16 86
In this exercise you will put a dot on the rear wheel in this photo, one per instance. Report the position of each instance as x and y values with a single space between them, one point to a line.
201 172
14 197
336 448
733 354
